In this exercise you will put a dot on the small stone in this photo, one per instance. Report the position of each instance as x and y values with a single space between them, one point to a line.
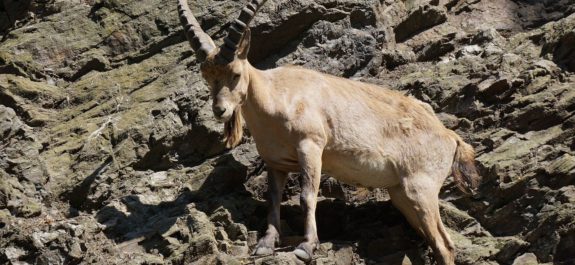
13 253
325 247
510 250
74 229
344 255
159 180
548 66
526 259
332 188
491 49
27 208
239 249
435 49
224 247
362 17
237 231
399 55
567 194
488 35
221 216
252 238
221 234
5 217
406 260
492 90
42 238
75 250
323 261
562 166
159 176
470 50
281 258
204 244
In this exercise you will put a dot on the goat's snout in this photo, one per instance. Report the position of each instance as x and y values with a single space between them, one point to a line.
218 110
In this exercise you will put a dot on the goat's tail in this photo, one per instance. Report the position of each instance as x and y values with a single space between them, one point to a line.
463 169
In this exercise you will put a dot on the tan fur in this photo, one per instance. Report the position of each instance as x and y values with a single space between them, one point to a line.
234 129
365 135
463 170
362 134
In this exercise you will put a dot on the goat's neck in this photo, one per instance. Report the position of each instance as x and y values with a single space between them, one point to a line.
259 97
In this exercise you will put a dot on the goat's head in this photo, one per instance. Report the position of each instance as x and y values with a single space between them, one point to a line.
225 68
228 82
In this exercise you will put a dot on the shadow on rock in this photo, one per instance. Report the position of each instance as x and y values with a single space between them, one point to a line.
204 218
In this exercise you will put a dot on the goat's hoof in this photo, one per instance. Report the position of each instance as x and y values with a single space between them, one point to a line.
304 252
263 251
301 254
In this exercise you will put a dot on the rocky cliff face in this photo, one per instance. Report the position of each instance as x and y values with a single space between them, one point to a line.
109 153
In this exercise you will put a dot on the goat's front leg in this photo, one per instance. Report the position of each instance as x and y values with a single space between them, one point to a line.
276 182
309 156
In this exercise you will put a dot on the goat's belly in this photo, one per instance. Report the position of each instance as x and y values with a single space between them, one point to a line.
367 171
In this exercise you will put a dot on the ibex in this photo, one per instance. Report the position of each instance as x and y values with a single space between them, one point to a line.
362 134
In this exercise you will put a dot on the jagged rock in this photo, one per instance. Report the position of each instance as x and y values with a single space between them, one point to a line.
13 253
510 250
567 194
11 12
470 50
564 53
279 259
436 49
559 41
335 48
109 153
20 169
419 20
396 56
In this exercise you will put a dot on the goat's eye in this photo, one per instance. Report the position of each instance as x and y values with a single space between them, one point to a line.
236 77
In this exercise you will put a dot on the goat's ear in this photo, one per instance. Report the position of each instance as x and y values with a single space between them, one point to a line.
244 46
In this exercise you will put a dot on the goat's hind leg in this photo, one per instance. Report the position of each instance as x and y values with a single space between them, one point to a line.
418 200
276 182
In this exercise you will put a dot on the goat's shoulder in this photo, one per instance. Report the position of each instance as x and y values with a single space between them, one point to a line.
294 77
301 71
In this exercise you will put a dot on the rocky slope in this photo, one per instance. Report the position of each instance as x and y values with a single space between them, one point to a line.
109 153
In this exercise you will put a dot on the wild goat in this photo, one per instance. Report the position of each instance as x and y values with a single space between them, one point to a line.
362 134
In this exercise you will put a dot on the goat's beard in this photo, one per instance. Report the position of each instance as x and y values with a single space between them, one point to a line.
233 128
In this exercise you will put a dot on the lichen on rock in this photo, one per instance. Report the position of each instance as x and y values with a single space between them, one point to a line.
109 153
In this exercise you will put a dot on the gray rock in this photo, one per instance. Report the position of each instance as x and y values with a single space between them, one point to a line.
13 253
436 49
419 20
279 259
109 153
526 259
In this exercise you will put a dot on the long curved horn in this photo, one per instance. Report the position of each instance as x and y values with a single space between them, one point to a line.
201 42
236 31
